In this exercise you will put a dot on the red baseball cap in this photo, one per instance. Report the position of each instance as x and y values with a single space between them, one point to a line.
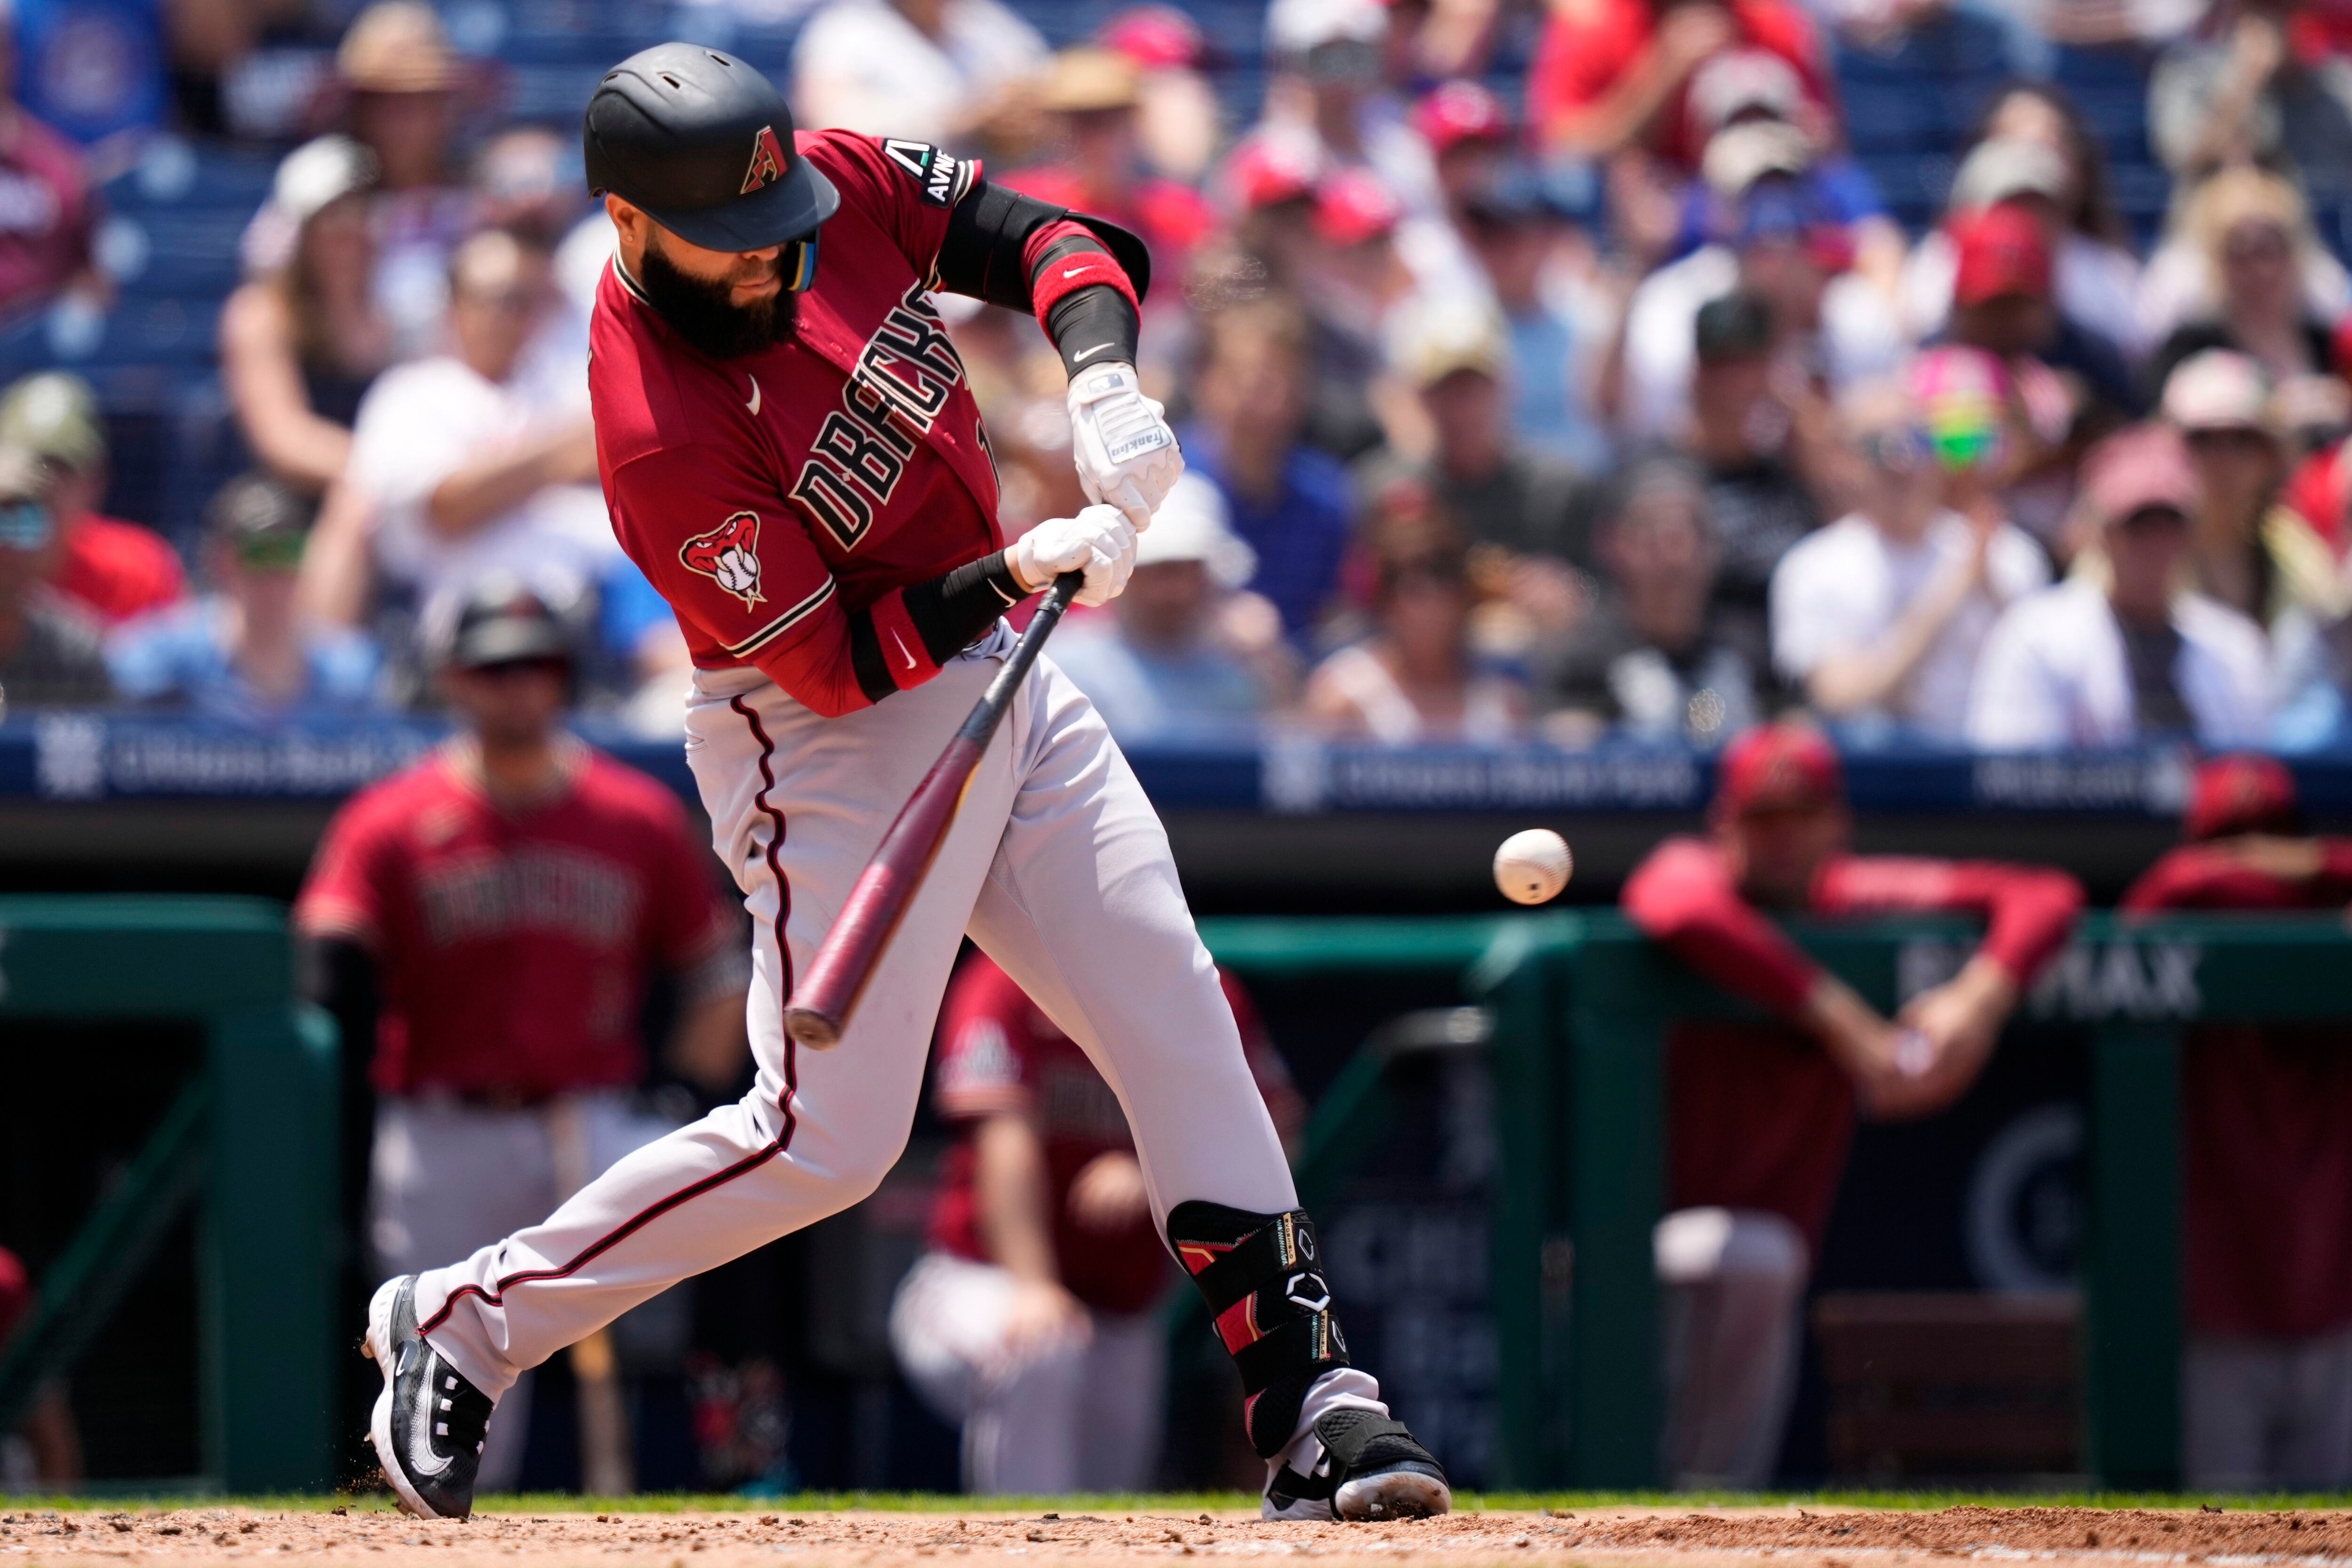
1779 766
1454 112
1265 172
2241 793
1353 207
1154 36
2137 469
2001 251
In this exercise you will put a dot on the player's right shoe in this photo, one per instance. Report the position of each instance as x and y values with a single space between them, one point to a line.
1368 1467
429 1422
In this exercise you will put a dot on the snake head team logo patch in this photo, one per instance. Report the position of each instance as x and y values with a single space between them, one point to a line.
767 161
729 556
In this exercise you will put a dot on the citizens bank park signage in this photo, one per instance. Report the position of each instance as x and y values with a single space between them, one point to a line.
89 757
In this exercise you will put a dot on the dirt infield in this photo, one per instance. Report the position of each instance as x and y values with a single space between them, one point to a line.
1806 1537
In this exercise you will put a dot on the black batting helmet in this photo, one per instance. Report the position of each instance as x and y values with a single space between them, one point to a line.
703 143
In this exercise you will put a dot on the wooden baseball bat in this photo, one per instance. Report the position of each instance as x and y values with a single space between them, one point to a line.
821 1003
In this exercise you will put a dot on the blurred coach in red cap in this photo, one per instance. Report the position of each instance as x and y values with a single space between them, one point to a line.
2123 651
2266 1165
1760 1115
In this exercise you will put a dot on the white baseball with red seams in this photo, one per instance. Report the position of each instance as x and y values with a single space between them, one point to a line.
1057 867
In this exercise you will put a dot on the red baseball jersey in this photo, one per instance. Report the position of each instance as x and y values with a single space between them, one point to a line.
1000 1053
513 947
2266 1124
769 496
1759 1116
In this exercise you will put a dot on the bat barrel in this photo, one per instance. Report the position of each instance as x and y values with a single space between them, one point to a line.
818 1010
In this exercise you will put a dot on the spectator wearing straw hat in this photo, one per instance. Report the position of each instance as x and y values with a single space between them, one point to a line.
1094 96
2092 663
403 82
110 568
1184 648
2266 1164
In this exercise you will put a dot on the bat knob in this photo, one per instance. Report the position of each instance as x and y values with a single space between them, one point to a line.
812 1028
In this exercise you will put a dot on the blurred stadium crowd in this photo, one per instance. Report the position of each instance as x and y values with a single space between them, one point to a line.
1969 371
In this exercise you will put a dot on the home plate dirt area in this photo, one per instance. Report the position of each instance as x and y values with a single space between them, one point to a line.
1813 1536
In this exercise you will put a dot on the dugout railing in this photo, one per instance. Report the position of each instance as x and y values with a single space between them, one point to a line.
251 1140
1581 1005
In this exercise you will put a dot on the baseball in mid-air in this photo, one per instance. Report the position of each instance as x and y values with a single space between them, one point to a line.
1533 866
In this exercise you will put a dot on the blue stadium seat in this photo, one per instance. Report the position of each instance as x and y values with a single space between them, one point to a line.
1892 118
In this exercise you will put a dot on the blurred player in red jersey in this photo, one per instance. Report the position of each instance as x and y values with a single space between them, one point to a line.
2266 1158
45 1452
1031 1320
488 922
1760 1116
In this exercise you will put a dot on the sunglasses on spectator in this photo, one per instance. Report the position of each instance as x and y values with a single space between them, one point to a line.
25 526
1899 449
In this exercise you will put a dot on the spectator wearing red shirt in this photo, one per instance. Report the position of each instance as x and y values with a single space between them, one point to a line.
1030 1319
2266 1158
488 920
112 570
1760 1115
1614 74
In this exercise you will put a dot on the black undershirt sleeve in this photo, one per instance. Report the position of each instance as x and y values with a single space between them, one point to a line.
949 612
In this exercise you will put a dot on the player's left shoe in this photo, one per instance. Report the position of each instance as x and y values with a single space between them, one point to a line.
429 1422
1365 1467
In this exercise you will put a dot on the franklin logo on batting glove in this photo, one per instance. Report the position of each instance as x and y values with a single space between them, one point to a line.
1126 454
729 556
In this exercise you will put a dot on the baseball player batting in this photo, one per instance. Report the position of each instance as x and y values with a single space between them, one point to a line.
792 454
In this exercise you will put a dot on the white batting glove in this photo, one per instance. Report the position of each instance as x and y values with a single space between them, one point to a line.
1098 541
1126 453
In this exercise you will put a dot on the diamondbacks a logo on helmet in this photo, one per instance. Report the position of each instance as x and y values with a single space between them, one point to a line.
729 556
767 161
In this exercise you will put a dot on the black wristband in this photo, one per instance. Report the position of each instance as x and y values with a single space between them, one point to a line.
952 611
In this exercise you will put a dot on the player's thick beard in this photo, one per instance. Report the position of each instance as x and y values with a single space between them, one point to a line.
703 314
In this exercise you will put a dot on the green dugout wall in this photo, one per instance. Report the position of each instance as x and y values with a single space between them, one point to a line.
1581 1006
252 1139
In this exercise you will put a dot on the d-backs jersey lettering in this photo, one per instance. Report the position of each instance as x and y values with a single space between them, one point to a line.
769 497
